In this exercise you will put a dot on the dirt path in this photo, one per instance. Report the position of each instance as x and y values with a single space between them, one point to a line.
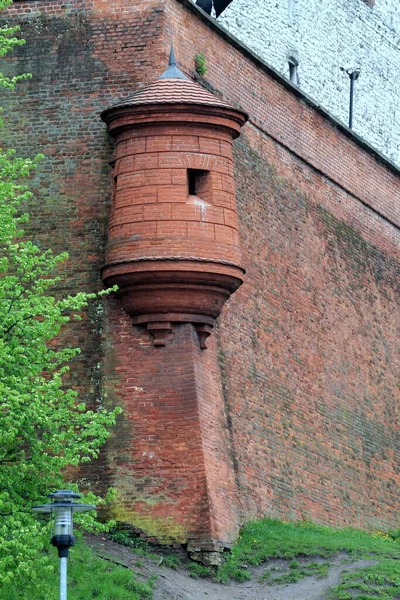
176 584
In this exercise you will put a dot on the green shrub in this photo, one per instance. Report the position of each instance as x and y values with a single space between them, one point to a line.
200 63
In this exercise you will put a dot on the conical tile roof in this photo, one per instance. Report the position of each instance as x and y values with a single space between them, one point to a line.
174 91
173 87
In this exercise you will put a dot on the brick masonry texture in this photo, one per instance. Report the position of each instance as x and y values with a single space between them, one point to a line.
292 409
151 197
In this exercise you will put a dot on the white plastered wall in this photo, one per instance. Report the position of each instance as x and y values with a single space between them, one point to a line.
324 35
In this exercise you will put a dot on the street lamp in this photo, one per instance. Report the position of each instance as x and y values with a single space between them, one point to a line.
354 74
62 508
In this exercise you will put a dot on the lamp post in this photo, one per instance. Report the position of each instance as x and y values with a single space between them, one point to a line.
354 74
62 508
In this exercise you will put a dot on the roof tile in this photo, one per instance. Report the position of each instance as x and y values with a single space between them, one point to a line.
171 91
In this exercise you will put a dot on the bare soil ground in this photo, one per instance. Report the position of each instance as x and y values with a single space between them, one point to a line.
176 584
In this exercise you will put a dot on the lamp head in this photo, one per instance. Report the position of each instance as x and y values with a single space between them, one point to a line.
351 72
62 509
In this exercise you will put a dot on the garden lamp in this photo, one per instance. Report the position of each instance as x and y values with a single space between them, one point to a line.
61 510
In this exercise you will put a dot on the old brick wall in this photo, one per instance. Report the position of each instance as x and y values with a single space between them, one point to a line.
82 56
308 347
292 409
160 459
172 444
318 361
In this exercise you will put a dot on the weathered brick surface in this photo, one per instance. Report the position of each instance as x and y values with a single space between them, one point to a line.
314 357
309 344
156 459
152 212
293 412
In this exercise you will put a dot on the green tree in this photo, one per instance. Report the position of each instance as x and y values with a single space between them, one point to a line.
44 428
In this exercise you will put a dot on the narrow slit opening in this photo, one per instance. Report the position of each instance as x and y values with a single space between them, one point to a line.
192 181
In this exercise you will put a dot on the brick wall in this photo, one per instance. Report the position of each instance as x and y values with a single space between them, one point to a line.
312 353
162 155
309 345
292 409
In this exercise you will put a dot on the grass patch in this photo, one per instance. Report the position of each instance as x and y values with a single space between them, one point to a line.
198 570
172 561
240 575
88 577
271 539
134 542
379 582
297 571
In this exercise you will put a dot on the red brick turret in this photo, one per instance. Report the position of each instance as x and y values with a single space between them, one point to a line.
173 245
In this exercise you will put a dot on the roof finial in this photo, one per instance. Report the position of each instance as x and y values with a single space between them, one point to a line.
172 59
172 72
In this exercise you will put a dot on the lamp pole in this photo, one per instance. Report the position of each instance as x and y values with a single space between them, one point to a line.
354 74
62 509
